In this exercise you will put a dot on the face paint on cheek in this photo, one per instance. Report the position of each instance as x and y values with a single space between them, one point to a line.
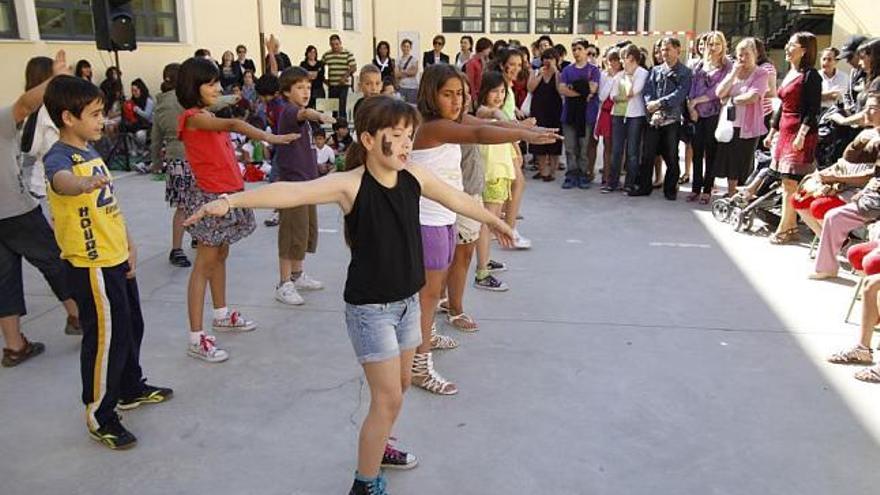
386 146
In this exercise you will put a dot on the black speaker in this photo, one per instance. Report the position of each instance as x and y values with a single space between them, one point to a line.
114 25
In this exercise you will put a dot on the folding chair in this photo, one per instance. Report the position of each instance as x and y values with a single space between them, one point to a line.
857 296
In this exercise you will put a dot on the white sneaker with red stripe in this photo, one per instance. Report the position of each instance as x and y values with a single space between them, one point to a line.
206 350
234 322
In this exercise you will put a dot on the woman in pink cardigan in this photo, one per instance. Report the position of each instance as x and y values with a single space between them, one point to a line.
743 89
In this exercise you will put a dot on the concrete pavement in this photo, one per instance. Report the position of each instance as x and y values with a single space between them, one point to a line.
643 348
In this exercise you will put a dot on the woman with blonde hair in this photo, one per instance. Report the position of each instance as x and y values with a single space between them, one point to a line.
743 90
704 107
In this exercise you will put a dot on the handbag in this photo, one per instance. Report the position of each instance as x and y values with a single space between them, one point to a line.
724 131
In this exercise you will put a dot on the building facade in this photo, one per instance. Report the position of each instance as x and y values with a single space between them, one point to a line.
171 30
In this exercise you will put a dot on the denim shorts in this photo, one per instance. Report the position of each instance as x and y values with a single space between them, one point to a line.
379 332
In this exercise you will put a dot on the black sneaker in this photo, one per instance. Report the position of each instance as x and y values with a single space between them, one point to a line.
375 487
490 283
114 435
395 458
496 266
272 221
178 258
150 395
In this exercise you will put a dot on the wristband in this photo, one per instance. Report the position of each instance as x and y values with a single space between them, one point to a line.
225 197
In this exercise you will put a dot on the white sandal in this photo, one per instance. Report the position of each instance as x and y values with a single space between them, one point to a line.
441 342
425 377
452 320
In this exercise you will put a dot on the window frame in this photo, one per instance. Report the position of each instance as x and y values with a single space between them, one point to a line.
348 15
13 32
508 19
593 22
291 8
320 10
463 5
635 19
69 9
146 12
553 22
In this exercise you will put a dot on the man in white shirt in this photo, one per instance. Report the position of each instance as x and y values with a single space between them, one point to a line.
834 82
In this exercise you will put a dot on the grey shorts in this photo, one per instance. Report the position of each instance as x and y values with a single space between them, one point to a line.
379 332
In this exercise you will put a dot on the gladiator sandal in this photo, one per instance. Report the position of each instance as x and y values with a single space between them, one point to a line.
424 376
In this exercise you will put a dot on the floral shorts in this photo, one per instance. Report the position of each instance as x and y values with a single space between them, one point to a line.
237 224
497 191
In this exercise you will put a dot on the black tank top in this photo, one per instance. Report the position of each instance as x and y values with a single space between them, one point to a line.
385 236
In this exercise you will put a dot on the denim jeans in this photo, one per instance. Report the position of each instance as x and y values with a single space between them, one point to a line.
625 131
340 93
575 151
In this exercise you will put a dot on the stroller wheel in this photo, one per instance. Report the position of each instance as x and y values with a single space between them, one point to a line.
748 221
721 209
736 218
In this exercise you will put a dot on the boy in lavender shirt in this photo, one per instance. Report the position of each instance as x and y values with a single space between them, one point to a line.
298 227
578 83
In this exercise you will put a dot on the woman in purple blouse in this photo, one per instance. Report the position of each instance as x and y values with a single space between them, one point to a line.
744 88
704 107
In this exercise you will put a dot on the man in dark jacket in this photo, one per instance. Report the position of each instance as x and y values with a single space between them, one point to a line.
665 92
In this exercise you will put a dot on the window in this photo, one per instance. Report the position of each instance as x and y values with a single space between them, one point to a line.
553 16
594 15
627 15
69 20
463 16
155 20
8 24
509 16
322 13
348 15
647 15
291 12
733 16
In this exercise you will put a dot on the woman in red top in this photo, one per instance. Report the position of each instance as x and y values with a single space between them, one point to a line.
474 67
212 160
796 127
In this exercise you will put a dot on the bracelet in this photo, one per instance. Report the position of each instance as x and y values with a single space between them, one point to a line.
225 197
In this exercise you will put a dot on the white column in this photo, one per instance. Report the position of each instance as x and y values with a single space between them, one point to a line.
26 18
641 23
614 15
532 11
307 10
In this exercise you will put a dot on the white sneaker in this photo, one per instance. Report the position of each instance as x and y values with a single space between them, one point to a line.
288 294
520 242
207 350
305 282
234 322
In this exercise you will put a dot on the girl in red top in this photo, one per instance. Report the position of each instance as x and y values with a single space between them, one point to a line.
212 160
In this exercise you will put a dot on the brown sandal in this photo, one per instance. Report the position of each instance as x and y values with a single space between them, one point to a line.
785 237
14 358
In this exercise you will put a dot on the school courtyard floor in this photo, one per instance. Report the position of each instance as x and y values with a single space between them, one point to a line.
643 348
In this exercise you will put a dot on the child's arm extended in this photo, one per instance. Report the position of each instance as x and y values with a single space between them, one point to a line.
459 202
314 116
480 132
335 188
501 120
208 122
67 184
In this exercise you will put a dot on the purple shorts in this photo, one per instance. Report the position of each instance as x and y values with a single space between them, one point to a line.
438 245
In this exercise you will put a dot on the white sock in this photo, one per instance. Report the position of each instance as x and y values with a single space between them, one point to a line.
195 337
220 313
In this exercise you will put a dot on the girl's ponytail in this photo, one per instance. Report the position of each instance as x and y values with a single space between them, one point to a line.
355 156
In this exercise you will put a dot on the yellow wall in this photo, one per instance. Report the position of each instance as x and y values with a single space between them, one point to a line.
220 25
855 17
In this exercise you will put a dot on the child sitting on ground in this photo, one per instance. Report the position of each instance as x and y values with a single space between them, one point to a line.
340 140
325 155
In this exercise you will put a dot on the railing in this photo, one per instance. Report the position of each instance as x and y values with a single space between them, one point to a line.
773 19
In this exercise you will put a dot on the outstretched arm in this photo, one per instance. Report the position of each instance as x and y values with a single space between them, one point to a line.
208 122
332 188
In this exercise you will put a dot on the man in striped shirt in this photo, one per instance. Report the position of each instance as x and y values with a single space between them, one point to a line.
340 66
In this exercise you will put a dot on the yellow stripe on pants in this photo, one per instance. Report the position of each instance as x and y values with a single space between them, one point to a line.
102 350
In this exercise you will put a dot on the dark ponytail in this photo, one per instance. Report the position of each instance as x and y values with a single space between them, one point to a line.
355 156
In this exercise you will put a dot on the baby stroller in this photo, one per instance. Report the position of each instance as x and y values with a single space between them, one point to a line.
833 139
761 198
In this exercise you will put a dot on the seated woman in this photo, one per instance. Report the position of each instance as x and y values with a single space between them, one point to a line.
862 352
137 116
835 185
865 205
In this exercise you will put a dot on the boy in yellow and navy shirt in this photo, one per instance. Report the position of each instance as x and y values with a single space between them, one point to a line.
94 241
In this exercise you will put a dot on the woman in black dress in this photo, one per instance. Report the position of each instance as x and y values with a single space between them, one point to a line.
546 108
315 68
